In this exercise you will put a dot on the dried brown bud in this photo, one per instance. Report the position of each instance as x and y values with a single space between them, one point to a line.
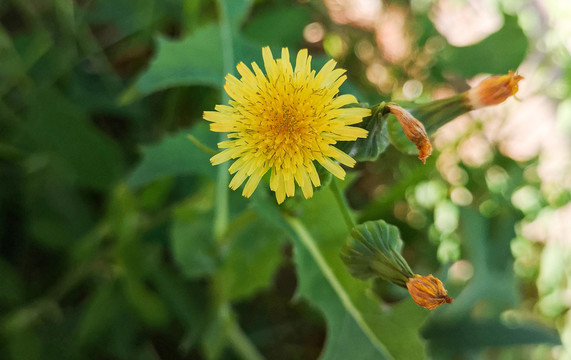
414 131
427 291
494 90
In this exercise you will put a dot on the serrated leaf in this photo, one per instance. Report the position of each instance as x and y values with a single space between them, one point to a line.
251 260
346 302
496 54
194 60
176 155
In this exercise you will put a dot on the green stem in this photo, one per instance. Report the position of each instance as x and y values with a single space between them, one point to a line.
240 342
223 177
343 206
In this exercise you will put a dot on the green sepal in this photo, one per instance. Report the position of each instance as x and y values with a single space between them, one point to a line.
369 148
372 250
436 113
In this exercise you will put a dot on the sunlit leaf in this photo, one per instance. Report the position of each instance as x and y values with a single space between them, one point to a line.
346 302
194 60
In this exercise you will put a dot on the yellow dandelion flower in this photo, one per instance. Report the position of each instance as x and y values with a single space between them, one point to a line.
282 121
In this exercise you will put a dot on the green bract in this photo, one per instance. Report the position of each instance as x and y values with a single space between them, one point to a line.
373 249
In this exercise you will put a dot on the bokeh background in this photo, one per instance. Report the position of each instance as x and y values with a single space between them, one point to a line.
106 245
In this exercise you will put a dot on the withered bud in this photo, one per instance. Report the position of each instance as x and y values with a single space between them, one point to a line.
413 129
494 90
427 291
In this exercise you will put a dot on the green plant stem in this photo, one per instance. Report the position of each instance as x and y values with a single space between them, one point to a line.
240 342
343 206
223 177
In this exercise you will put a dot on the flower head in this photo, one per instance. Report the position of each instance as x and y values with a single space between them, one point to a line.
494 90
427 291
282 121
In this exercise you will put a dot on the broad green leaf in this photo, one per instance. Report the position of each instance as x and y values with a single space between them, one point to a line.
176 155
24 345
146 302
278 27
102 308
252 257
468 334
62 129
12 292
238 10
192 245
347 303
194 60
496 54
187 301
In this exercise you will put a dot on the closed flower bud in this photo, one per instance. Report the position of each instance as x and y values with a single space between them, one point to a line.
413 129
494 90
427 291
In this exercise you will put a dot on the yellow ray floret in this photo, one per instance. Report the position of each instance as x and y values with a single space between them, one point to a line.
284 120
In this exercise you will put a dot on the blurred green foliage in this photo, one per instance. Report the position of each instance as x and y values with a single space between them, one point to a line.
108 244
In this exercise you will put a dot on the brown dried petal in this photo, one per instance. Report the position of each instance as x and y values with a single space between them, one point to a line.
494 90
427 291
414 131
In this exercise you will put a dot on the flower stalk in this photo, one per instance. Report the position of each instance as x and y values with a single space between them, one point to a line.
373 250
415 122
